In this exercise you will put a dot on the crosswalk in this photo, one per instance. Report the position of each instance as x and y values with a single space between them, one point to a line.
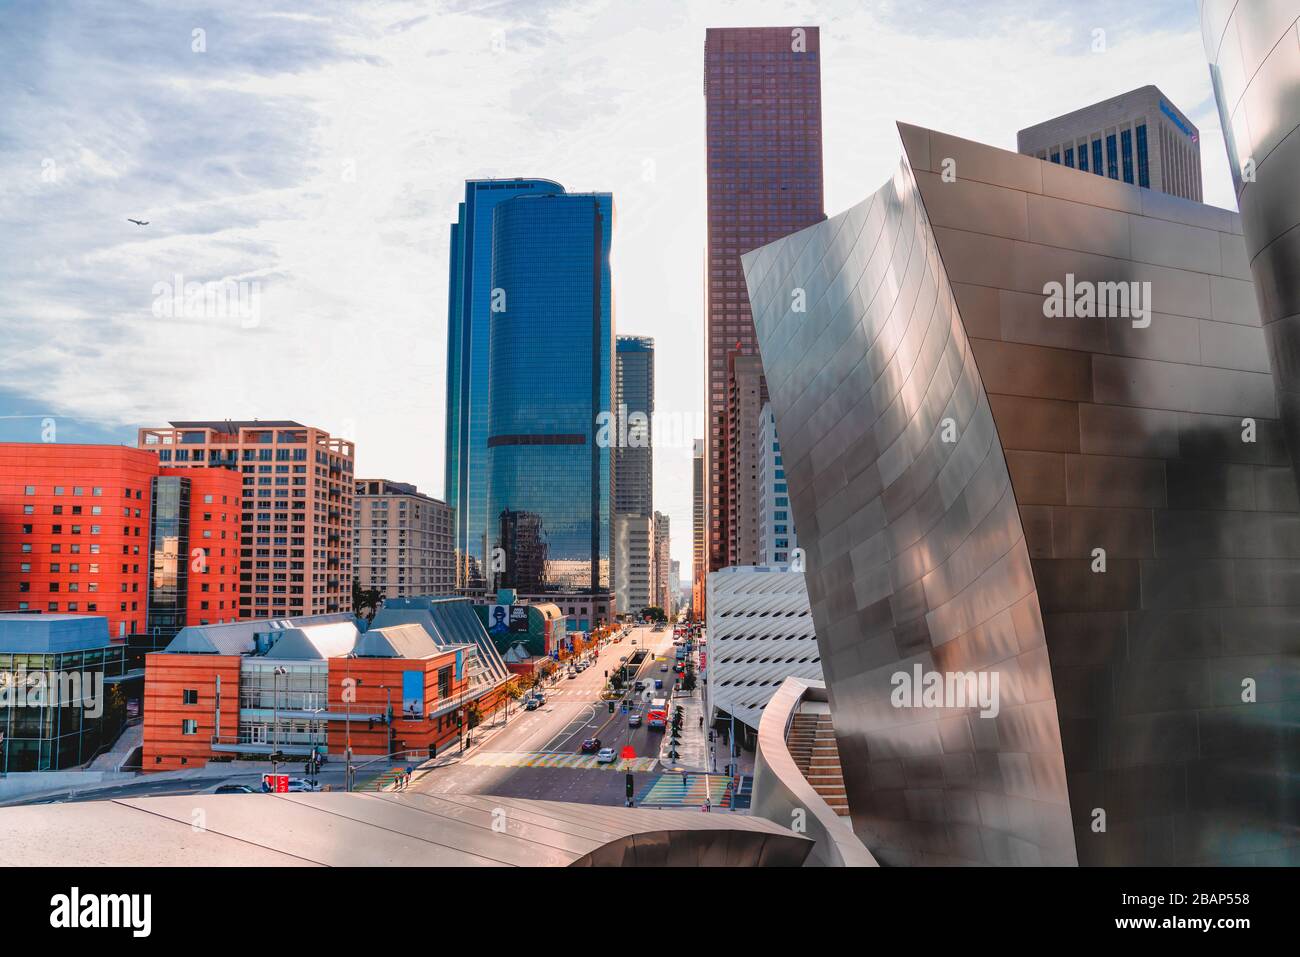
556 759
679 790
569 693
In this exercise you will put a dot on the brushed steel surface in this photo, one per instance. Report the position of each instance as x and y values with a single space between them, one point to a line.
1254 55
1120 690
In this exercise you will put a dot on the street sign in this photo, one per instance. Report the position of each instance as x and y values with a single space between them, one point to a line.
276 783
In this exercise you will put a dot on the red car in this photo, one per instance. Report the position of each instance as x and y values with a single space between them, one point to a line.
591 745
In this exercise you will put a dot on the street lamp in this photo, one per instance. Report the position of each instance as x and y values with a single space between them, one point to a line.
275 716
388 717
350 693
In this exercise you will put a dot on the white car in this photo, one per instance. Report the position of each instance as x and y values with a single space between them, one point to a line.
298 784
605 756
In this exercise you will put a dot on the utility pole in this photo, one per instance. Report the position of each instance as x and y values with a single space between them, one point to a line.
275 717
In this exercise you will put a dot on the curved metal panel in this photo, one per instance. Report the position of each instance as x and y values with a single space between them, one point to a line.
915 553
1254 55
1159 689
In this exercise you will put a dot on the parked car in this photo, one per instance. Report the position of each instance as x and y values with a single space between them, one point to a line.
571 675
640 685
659 684
605 756
299 784
591 745
234 789
538 696
634 719
531 704
663 667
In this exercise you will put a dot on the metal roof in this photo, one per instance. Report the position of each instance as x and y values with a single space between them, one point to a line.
22 633
448 621
237 637
386 829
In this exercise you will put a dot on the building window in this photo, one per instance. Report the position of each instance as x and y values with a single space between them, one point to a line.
191 696
1144 166
1126 150
189 726
1069 156
1112 157
1096 158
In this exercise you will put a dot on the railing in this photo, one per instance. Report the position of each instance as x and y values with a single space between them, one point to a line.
783 795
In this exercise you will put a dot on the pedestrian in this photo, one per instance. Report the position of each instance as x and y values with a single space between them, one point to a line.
701 721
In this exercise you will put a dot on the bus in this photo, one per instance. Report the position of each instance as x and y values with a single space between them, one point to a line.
656 716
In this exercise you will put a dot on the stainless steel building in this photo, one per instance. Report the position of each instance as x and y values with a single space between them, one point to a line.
1254 54
1093 519
1138 137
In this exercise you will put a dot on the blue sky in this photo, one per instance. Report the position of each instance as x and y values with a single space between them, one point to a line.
316 152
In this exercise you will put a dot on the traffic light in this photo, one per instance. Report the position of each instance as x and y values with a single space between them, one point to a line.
611 707
631 784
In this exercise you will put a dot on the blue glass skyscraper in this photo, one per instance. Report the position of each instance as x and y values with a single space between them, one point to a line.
469 300
551 376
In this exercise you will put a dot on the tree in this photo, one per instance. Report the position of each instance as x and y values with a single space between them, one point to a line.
653 613
472 715
363 598
688 679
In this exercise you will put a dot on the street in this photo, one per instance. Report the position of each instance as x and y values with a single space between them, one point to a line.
537 754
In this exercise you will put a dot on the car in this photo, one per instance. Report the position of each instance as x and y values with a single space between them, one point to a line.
531 704
634 719
591 745
640 685
571 675
538 696
234 789
659 684
298 784
663 667
605 756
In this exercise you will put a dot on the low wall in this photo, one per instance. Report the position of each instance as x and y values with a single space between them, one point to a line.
781 790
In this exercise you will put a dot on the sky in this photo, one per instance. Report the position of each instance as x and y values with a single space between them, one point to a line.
311 156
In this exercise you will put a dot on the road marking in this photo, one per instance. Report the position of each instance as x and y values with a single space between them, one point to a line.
557 759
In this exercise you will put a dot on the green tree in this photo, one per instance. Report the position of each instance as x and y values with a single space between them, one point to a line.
688 679
365 598
653 613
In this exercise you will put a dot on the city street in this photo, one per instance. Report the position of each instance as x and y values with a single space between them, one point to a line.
538 755
519 759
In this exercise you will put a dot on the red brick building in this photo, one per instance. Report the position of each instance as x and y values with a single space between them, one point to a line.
77 534
313 684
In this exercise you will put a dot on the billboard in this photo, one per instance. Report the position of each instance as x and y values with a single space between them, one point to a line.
412 694
507 619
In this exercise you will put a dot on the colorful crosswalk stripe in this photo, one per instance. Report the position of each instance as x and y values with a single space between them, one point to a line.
681 790
556 759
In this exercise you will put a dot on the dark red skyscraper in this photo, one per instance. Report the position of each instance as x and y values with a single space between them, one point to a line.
762 91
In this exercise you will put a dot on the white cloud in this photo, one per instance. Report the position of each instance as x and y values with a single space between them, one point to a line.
243 157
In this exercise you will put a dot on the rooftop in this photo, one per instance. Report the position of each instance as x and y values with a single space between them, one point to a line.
29 634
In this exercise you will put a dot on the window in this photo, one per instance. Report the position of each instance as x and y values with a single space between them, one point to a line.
1096 158
1112 157
1126 150
189 726
1144 165
191 696
29 490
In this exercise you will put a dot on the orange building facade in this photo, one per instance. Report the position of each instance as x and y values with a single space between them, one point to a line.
76 533
296 523
310 686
